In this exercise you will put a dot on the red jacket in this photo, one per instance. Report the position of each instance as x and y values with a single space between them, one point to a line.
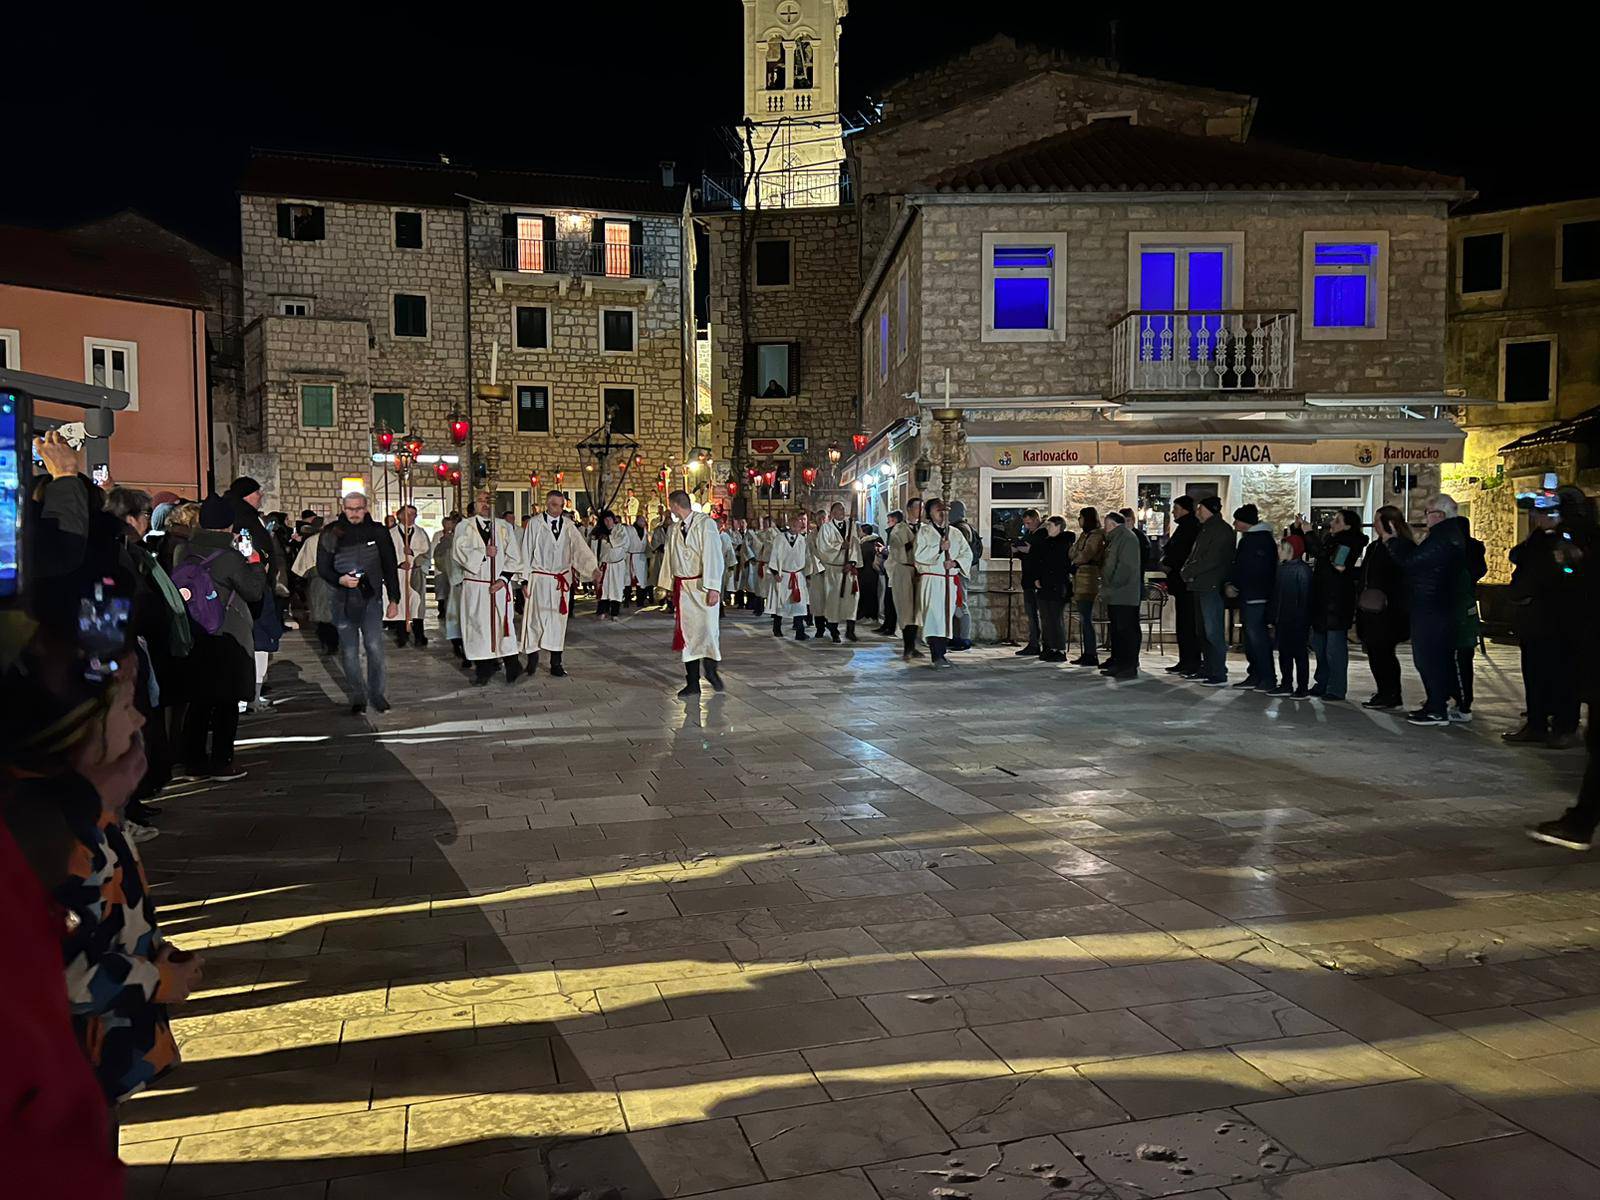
54 1131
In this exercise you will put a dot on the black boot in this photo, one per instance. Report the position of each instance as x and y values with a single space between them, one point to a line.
416 633
513 668
556 669
800 634
533 663
760 606
691 673
849 631
713 676
939 647
777 626
401 638
455 644
483 671
910 650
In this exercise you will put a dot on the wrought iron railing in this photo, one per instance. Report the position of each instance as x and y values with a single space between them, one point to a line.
819 187
1188 351
578 256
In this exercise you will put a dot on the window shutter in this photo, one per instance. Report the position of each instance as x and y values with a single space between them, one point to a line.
319 229
284 227
794 368
636 247
508 241
549 233
597 246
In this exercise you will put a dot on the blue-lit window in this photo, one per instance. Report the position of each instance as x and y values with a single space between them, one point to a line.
883 345
1023 277
1190 279
1344 285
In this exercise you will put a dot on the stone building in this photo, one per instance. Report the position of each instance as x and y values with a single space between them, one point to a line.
1524 336
1136 304
541 307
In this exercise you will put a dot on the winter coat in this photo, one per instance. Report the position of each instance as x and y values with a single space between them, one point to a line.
1333 592
1211 558
1381 573
1177 552
1052 566
1544 596
1289 611
1030 560
1088 552
1255 564
1122 576
244 583
1474 566
1433 571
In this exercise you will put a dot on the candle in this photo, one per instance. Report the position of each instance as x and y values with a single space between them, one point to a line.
494 366
947 387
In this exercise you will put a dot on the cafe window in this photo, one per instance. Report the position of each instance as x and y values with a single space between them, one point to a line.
1007 498
389 411
1334 493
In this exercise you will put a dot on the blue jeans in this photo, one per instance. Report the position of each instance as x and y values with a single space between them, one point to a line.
361 622
1433 650
1213 635
1257 645
1086 628
1333 661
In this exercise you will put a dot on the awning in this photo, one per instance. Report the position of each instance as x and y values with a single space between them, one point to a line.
1192 441
1583 428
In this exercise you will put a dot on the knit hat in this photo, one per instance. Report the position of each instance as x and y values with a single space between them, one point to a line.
244 486
216 513
1211 503
1248 514
1297 544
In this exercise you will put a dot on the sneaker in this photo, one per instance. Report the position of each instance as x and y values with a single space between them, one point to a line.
1191 675
1026 651
1461 716
228 774
1319 691
941 664
1176 669
1560 833
1300 694
1249 685
185 777
1526 735
141 812
1222 682
137 833
1422 716
1381 704
1282 689
381 704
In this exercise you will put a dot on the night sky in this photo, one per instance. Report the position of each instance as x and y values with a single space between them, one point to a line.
158 111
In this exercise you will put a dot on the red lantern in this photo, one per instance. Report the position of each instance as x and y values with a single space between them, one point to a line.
560 475
455 475
733 487
459 428
442 470
859 441
661 485
751 474
385 439
809 474
533 480
771 477
638 460
413 445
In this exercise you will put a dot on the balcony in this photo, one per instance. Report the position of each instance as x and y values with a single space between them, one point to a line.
1192 353
818 187
572 263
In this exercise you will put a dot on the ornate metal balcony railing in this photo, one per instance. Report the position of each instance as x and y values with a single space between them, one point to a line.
578 256
823 187
1188 351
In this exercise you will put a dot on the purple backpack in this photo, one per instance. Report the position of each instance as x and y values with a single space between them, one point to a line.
206 605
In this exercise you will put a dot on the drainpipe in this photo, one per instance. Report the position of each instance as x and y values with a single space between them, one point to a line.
467 475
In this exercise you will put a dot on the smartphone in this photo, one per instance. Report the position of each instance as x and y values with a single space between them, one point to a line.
101 474
243 544
14 474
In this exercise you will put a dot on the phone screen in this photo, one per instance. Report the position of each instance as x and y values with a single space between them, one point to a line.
13 429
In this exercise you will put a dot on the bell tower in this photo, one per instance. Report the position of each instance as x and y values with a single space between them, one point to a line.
794 139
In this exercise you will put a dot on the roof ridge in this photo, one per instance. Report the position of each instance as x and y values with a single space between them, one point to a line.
443 168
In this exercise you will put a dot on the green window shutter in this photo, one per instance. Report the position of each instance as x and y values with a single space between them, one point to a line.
285 229
389 408
316 405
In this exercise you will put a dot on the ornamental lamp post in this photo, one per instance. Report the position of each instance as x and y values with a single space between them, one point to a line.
460 429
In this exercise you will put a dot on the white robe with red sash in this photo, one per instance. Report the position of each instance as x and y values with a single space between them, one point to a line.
840 581
788 585
941 577
638 565
487 622
549 562
612 550
691 567
412 553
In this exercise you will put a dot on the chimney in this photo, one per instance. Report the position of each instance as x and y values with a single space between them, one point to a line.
668 172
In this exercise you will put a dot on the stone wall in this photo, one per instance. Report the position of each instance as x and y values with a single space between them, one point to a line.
813 312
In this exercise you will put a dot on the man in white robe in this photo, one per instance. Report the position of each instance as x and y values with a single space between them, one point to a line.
943 558
839 555
487 551
611 548
412 554
902 568
691 568
789 586
759 550
658 552
555 554
637 589
730 561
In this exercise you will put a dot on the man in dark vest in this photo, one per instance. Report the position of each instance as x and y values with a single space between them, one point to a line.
355 556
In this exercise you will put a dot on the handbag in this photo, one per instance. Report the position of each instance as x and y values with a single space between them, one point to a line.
1372 600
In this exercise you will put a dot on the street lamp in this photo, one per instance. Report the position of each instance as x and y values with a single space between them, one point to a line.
460 428
834 454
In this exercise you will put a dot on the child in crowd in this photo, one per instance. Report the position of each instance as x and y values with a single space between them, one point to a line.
1291 618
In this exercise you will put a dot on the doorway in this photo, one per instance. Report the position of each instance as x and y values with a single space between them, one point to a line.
1152 506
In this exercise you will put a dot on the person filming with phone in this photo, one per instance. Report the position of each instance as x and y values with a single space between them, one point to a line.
355 557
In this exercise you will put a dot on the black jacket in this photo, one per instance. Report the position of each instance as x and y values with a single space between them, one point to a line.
1381 573
1333 592
1030 560
367 546
1255 564
1053 565
1433 569
1177 551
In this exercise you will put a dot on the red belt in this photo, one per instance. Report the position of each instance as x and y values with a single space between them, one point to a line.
961 595
677 610
794 587
561 586
855 577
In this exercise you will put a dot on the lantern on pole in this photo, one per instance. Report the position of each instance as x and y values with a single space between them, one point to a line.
859 441
413 445
442 469
533 480
770 477
560 475
809 474
733 487
460 427
834 453
385 438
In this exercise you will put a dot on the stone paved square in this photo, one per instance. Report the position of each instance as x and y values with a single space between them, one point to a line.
853 921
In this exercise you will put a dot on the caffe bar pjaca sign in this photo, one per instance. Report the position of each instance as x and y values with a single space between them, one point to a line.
1213 452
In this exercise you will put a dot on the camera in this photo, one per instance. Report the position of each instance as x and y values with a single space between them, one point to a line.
1541 499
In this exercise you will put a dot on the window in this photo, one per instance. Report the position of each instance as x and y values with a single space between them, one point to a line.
1008 498
902 312
295 306
883 345
408 230
619 407
1024 297
316 405
1480 263
533 408
410 316
529 242
1578 251
1331 493
775 374
774 262
617 331
389 411
776 76
804 57
531 327
1345 285
1528 369
1194 273
10 350
110 364
301 222
616 248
